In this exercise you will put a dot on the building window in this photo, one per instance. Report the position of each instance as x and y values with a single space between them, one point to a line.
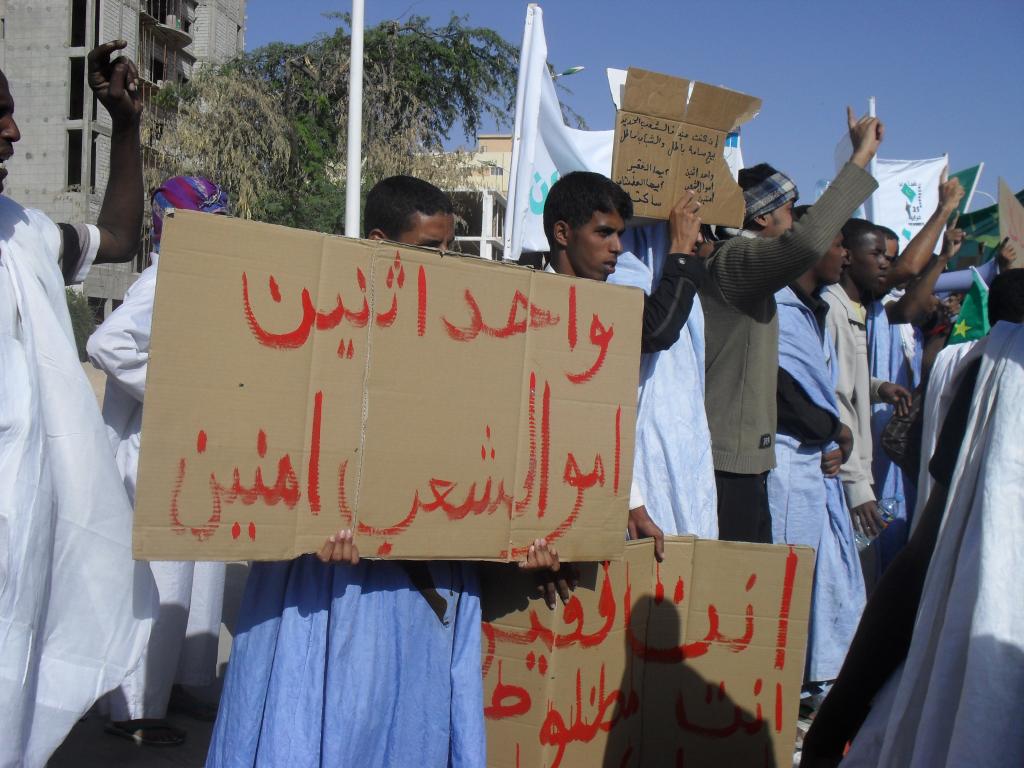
92 162
76 89
78 16
96 16
497 170
74 157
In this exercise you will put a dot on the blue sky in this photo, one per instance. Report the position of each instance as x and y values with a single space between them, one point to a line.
946 75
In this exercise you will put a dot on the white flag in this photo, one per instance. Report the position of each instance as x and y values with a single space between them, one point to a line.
544 148
907 195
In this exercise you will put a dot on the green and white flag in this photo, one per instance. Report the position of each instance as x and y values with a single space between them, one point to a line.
969 181
972 323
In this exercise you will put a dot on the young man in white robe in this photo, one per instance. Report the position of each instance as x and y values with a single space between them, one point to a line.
70 626
182 648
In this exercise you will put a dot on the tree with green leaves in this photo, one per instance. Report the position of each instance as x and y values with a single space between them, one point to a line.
271 125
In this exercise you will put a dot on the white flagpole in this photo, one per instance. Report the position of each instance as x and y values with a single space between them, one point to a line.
871 165
353 168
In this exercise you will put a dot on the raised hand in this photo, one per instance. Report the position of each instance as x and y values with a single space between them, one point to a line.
951 192
115 83
1006 254
866 135
952 239
684 224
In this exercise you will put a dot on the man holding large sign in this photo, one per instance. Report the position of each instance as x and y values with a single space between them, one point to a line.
326 648
336 661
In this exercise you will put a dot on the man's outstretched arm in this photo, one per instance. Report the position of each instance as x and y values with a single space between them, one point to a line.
918 253
750 269
116 86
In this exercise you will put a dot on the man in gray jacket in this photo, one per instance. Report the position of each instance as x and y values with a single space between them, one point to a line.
742 329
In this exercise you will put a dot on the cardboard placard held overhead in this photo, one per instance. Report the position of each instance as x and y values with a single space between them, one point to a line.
439 406
695 661
670 137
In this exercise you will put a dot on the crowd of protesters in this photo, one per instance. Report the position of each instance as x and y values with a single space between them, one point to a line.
795 387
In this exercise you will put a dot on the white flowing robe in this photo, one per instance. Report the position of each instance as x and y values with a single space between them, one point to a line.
673 470
72 623
183 643
954 702
942 384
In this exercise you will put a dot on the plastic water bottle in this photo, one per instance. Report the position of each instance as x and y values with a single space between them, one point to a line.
887 509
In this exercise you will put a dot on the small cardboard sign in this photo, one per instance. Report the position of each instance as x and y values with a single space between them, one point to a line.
439 406
695 661
1011 222
670 137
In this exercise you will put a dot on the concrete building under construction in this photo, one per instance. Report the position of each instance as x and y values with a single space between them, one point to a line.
61 164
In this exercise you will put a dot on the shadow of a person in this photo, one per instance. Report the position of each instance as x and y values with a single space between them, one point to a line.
683 719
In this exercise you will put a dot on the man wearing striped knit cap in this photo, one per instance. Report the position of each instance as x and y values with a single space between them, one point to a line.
742 327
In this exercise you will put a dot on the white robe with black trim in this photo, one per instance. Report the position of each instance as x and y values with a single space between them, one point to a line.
71 624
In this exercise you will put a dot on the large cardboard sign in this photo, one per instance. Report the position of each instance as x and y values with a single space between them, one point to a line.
696 661
670 137
440 406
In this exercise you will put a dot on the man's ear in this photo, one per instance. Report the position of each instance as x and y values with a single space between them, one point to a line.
561 232
376 234
762 220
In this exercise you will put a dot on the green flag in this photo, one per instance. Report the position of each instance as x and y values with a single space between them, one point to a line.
969 181
973 320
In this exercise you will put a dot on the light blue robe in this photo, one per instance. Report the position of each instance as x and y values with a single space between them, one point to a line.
809 508
887 361
672 463
335 665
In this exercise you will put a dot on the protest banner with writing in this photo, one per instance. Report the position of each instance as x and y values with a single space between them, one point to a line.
439 406
697 660
1011 222
671 136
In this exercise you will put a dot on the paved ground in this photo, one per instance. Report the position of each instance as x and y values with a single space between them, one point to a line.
89 747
